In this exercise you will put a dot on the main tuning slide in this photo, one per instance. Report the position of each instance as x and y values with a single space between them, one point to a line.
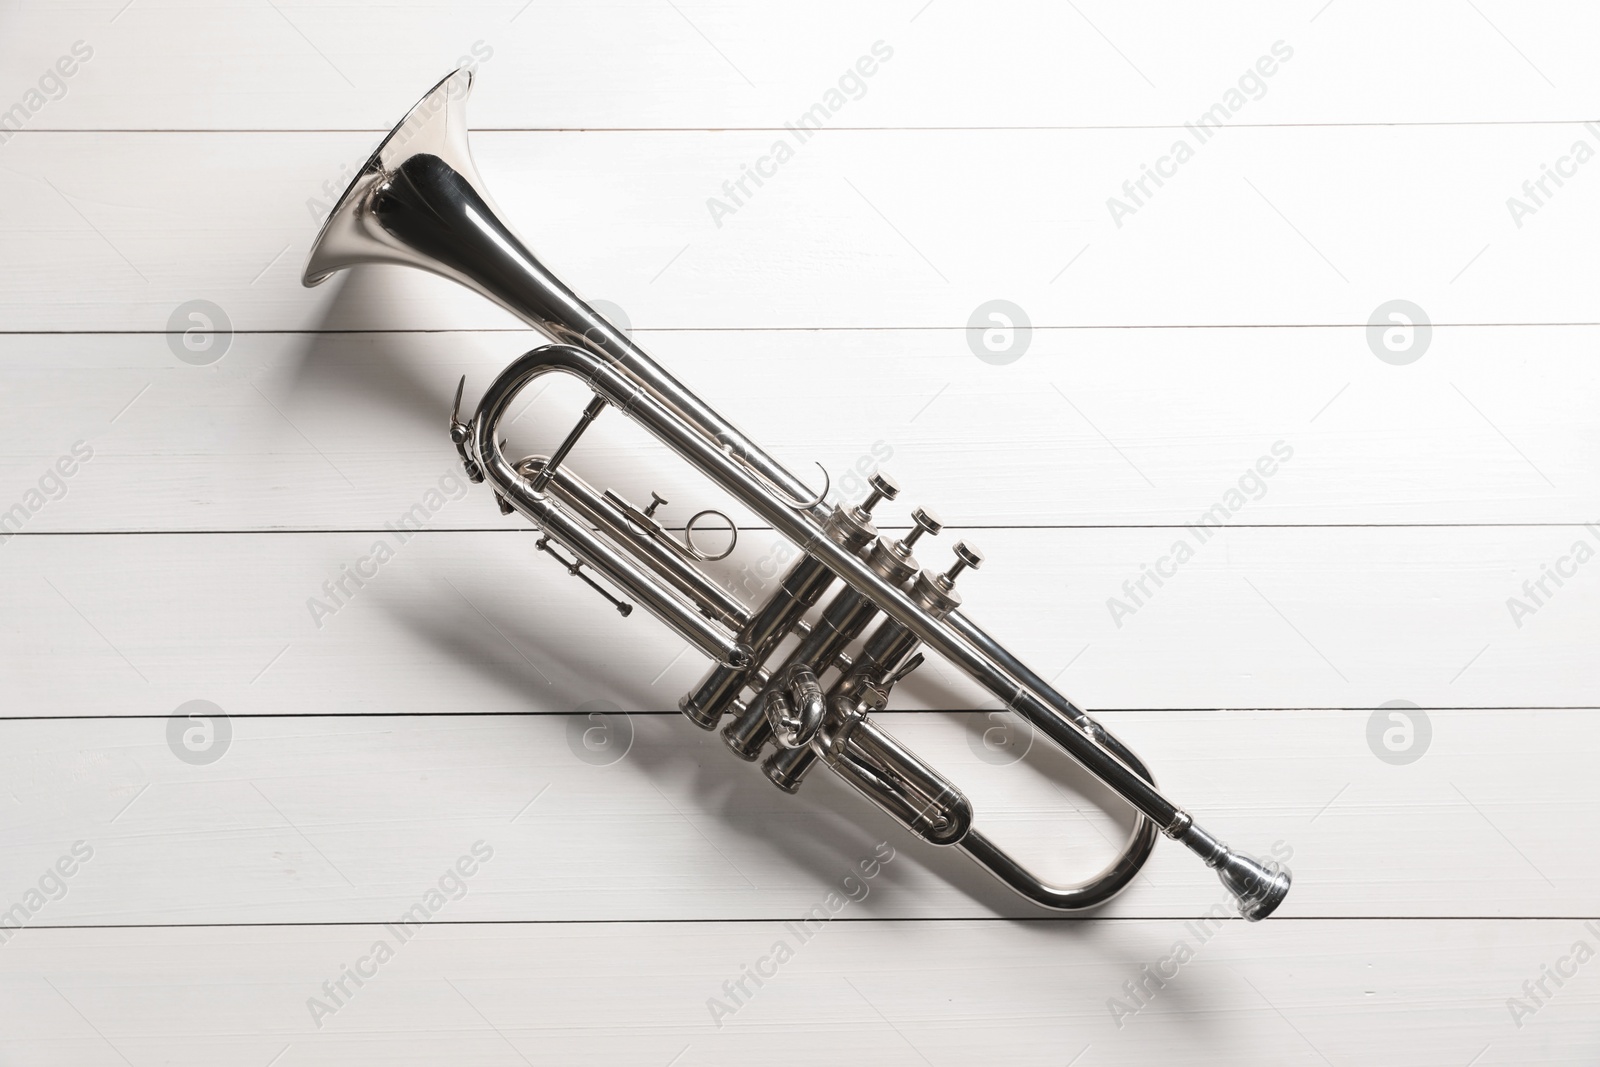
419 202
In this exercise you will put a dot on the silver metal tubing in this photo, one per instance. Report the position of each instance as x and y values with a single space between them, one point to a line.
890 775
605 380
1264 887
974 635
802 586
619 569
885 648
804 529
418 201
843 620
548 469
1088 894
697 590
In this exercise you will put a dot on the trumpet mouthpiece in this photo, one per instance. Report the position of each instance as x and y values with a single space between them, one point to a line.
1258 888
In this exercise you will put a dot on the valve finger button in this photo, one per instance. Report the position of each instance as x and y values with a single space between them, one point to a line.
927 522
884 487
967 555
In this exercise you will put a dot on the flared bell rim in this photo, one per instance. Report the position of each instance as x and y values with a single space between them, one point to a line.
318 266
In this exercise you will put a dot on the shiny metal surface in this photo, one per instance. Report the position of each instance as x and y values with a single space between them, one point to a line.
419 202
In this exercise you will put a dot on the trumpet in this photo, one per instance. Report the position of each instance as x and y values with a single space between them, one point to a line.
419 202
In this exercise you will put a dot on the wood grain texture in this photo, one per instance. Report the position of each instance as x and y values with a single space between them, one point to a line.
913 993
1422 537
339 819
1282 225
639 64
1089 427
1266 617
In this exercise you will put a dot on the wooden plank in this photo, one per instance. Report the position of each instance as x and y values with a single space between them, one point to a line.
1425 543
1289 225
640 64
342 819
1258 617
950 993
1102 427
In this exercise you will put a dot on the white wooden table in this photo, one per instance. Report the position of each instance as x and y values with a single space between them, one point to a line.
215 890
